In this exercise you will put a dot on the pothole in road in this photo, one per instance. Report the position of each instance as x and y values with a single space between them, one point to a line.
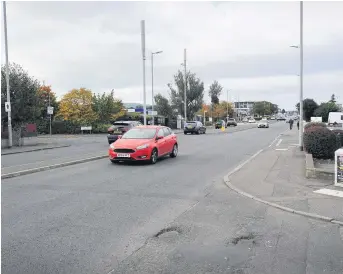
168 231
250 237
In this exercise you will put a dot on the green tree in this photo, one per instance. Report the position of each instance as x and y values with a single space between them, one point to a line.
265 108
107 107
309 107
195 94
162 106
214 92
333 99
283 111
23 93
324 109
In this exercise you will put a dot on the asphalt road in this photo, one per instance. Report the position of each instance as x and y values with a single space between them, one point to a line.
89 217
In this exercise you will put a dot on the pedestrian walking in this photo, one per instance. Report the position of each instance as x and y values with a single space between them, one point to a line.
298 124
291 123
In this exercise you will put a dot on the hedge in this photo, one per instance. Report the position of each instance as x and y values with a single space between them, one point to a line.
339 137
320 142
314 124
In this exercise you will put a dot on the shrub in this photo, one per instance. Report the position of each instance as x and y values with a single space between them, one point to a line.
314 124
100 128
339 137
320 142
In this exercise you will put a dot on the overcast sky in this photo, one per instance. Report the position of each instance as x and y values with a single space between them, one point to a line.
243 45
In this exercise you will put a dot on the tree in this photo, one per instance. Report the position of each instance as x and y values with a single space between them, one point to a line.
76 106
283 111
214 92
162 106
265 108
333 99
324 109
221 110
195 94
309 107
107 107
23 94
43 97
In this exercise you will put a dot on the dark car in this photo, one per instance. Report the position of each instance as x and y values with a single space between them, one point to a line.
231 122
219 124
194 127
119 128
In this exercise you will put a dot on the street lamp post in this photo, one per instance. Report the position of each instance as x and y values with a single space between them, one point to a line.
152 84
143 57
9 115
301 107
205 117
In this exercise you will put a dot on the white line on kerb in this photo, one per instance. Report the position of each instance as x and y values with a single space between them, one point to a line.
330 192
279 142
281 149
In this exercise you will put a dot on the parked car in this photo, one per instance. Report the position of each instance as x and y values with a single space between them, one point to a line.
263 124
144 143
220 124
119 128
194 127
252 120
231 122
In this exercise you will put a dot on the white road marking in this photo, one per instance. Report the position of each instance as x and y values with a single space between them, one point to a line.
283 149
330 192
278 143
274 140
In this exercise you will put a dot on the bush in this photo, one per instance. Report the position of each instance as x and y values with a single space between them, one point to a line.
314 124
100 128
339 137
320 142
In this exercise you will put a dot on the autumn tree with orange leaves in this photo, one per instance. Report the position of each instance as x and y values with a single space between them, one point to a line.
44 92
77 106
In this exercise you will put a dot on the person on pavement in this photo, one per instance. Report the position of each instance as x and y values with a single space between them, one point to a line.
291 124
298 125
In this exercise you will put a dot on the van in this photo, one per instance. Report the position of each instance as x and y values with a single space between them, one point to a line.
335 118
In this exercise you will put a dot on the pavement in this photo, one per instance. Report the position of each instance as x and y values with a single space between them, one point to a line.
173 217
277 175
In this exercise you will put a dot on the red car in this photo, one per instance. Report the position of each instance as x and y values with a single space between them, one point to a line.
144 143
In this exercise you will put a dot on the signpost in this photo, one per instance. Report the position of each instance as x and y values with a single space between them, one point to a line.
339 167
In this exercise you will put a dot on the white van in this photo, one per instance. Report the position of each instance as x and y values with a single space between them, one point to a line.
335 118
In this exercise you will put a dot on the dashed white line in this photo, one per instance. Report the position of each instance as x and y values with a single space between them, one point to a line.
283 149
279 142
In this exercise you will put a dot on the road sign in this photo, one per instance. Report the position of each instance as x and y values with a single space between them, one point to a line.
50 110
7 107
131 110
153 113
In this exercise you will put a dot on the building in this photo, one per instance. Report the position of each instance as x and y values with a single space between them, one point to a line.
245 108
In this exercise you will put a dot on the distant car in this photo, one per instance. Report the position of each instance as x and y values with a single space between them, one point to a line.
220 124
144 143
245 120
119 128
252 120
263 124
281 119
194 127
231 122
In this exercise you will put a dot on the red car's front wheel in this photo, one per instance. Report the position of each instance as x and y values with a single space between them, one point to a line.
154 156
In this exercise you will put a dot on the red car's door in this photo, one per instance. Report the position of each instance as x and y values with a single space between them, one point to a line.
169 139
161 143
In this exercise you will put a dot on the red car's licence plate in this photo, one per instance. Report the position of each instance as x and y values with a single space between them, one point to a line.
123 155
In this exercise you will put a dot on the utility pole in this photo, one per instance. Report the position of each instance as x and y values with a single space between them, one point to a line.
143 57
50 114
185 91
227 105
9 115
152 84
301 80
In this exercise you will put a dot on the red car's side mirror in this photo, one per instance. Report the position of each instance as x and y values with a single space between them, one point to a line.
159 137
119 136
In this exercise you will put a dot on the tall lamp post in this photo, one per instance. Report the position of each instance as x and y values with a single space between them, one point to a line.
184 64
301 107
152 84
8 103
205 117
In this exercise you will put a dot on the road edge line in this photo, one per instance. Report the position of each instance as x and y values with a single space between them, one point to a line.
284 208
44 168
33 150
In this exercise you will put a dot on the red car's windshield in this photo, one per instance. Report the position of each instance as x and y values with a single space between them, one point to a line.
140 133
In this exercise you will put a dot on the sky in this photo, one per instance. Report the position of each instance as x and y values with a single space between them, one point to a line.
245 46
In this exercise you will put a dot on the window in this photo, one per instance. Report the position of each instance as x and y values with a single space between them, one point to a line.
166 131
160 133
